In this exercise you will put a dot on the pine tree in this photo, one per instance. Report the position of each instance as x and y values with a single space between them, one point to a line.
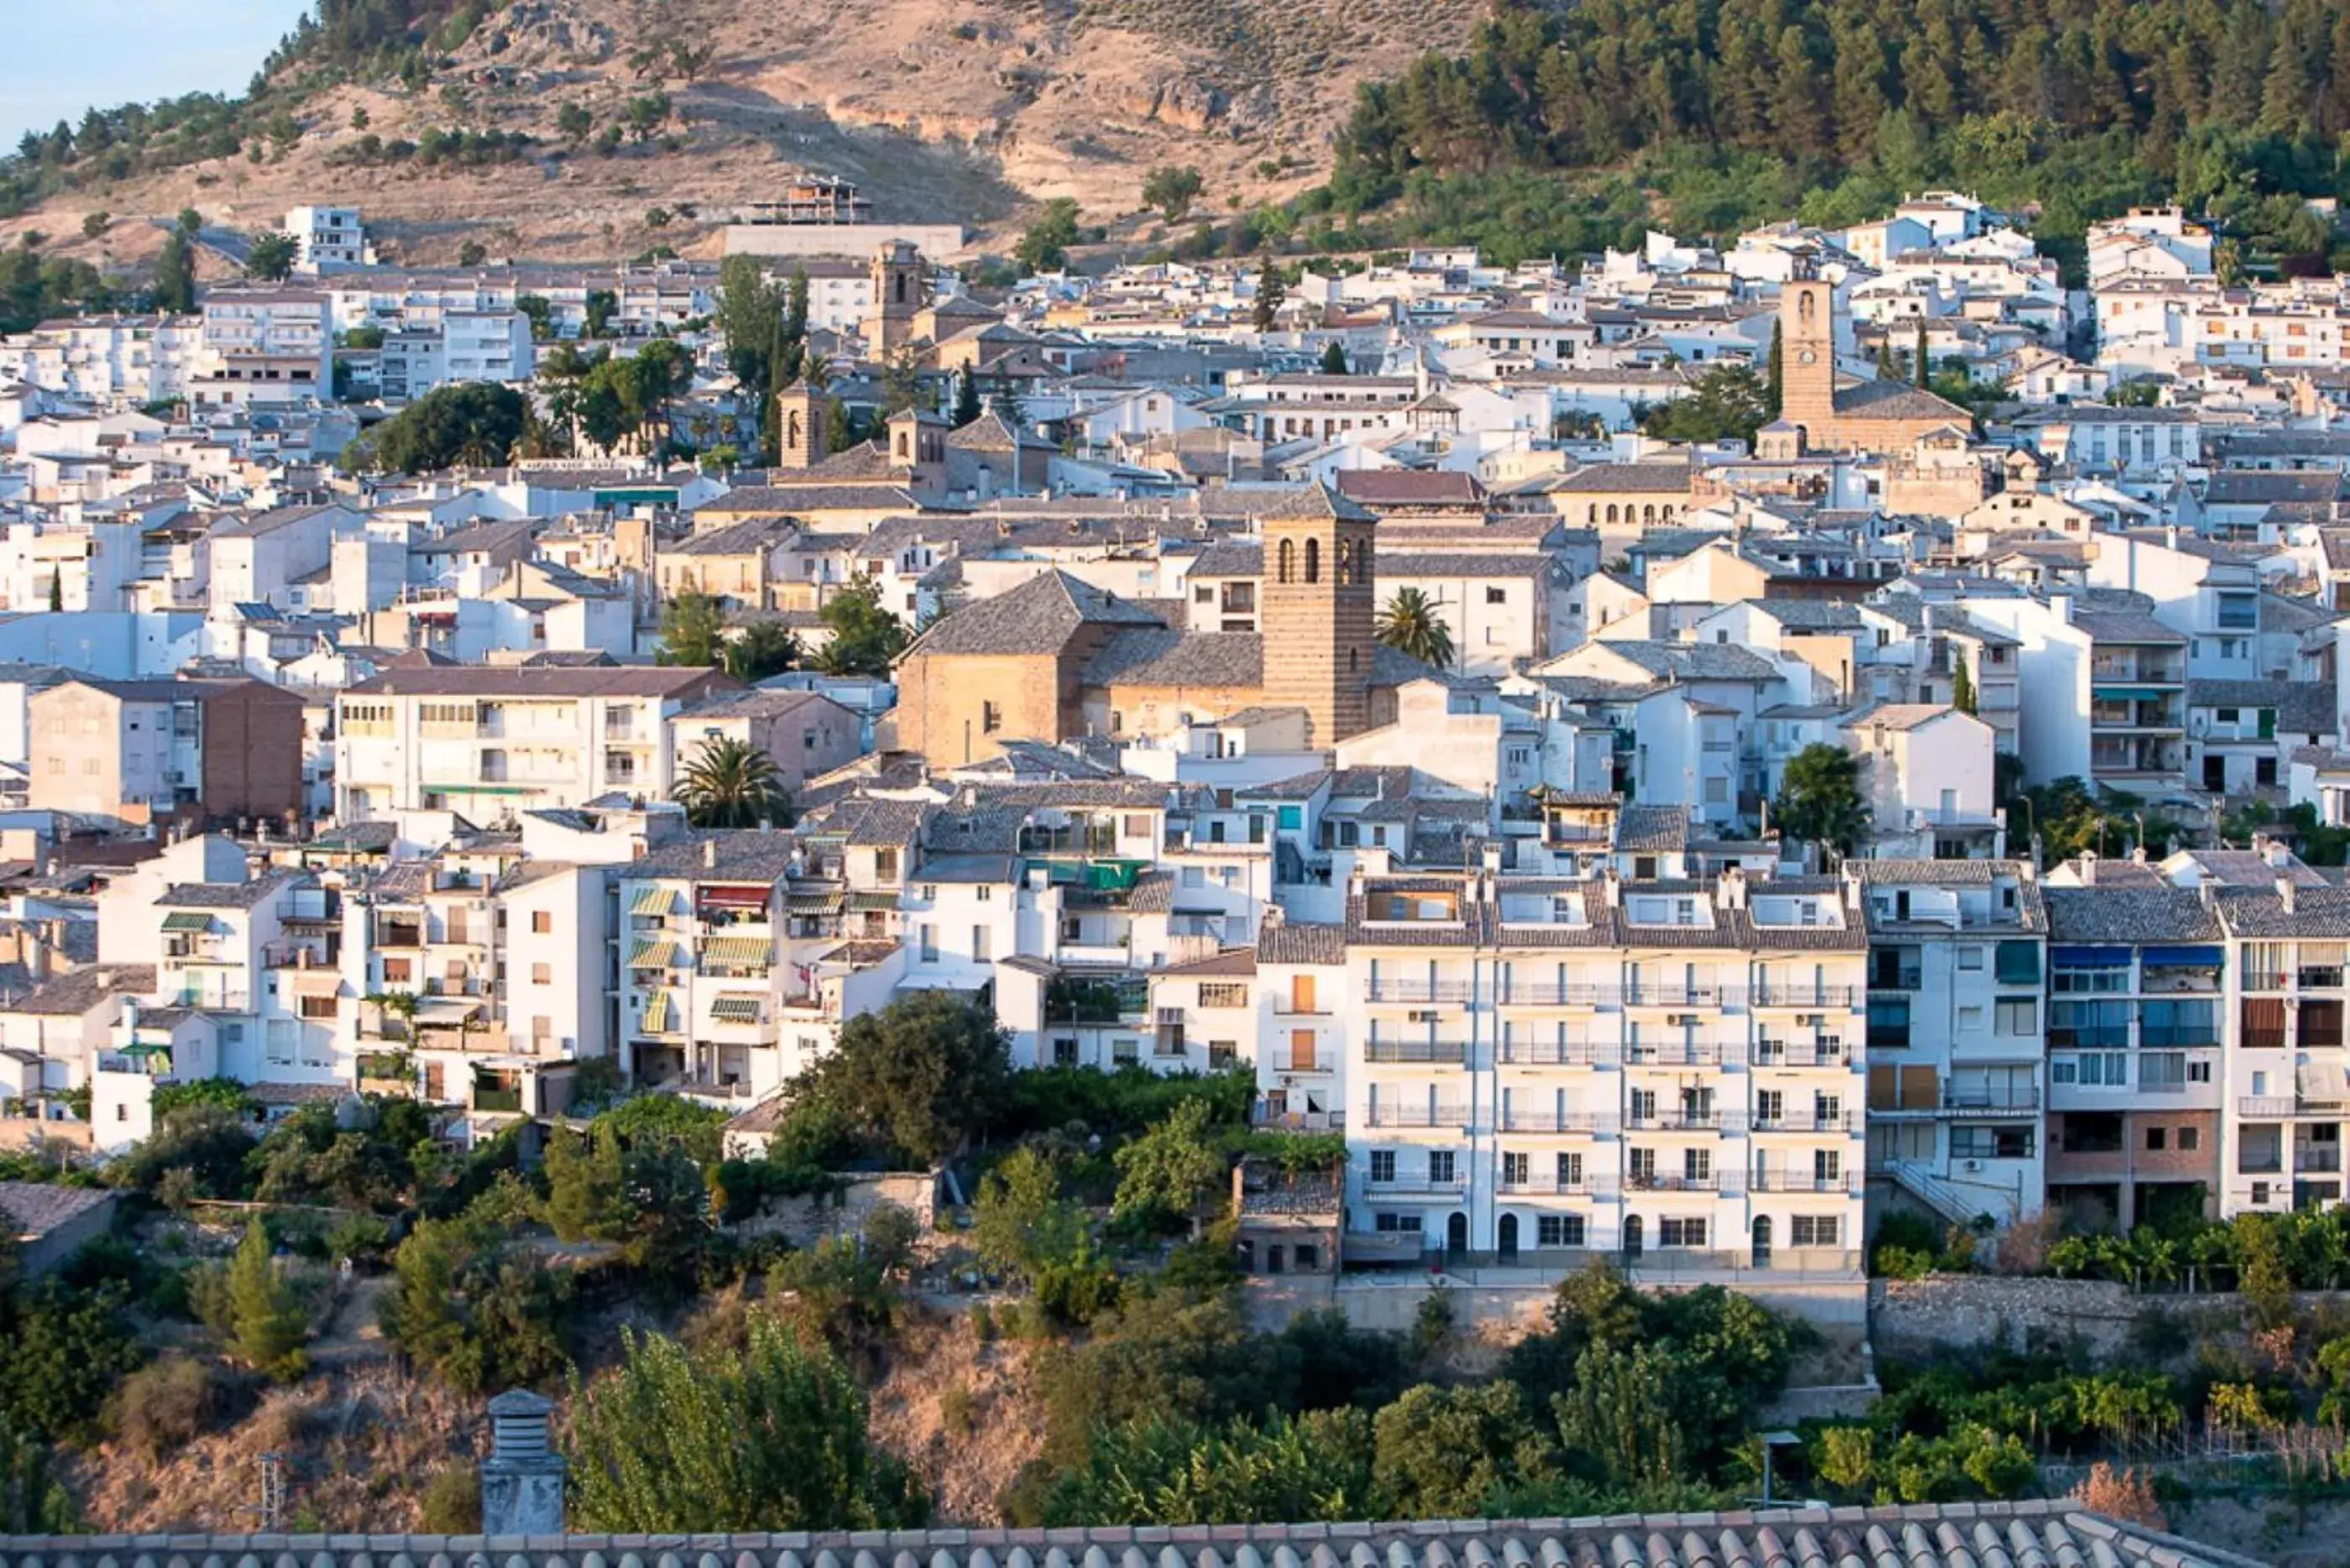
175 274
1774 370
966 403
264 1314
57 590
1334 358
1962 685
1922 366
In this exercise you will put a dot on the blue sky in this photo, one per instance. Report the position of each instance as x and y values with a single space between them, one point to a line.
64 55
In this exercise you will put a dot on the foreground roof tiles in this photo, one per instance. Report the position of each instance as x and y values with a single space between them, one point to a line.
2024 1534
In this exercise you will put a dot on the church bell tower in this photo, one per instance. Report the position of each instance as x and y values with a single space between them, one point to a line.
1319 606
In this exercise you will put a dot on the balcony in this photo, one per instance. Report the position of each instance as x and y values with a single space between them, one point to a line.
1805 1122
1721 1181
504 1101
1444 1051
1684 995
1406 1186
1825 1052
1573 993
1826 997
1678 1054
1768 1180
1417 1116
1416 990
1558 1121
1558 1053
1601 1187
1990 1102
2265 1107
1682 1118
2317 1158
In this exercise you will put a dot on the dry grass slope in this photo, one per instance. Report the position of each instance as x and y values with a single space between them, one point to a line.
975 110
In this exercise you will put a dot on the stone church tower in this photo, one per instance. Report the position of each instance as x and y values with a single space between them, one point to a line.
897 278
1318 606
803 441
1807 353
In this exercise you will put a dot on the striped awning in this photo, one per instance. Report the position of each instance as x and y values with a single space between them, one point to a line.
738 952
735 1007
654 953
653 901
659 1012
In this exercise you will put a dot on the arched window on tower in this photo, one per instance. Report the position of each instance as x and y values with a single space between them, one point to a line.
1288 560
1806 304
1312 560
1345 564
792 428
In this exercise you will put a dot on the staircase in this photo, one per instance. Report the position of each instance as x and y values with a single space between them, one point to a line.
1958 1202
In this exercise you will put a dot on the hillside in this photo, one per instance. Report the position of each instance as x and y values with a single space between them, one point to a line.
976 109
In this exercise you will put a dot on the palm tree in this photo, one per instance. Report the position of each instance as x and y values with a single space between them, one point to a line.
1411 625
732 784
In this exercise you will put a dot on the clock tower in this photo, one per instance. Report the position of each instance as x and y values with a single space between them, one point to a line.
1807 352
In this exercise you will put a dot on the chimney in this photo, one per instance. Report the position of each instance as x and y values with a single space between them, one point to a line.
710 853
1733 886
2088 867
2284 893
522 1481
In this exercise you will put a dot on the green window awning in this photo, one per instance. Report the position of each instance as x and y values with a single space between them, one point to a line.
739 952
187 920
653 901
658 1010
654 953
736 1008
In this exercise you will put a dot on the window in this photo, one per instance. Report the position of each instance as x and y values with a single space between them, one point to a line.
1970 959
542 974
1440 1167
1515 1170
2190 1139
2017 1016
2156 1139
1497 596
1382 1165
928 937
982 946
1569 1172
542 920
1558 1230
1679 1232
1814 1231
1828 1166
990 717
1224 993
1407 1224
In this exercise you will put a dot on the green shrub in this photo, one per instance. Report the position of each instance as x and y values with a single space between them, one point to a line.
450 1503
167 1405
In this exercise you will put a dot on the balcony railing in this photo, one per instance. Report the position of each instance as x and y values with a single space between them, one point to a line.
1722 1181
2317 1159
1417 1116
1681 1118
1678 1054
2264 1106
1556 993
1829 997
1805 1122
1442 1052
1821 1053
507 1100
1557 1121
1992 1102
1416 990
1595 1186
1559 1053
1682 994
1768 1180
1407 1184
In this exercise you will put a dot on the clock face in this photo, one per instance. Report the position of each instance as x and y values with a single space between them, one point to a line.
1805 357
